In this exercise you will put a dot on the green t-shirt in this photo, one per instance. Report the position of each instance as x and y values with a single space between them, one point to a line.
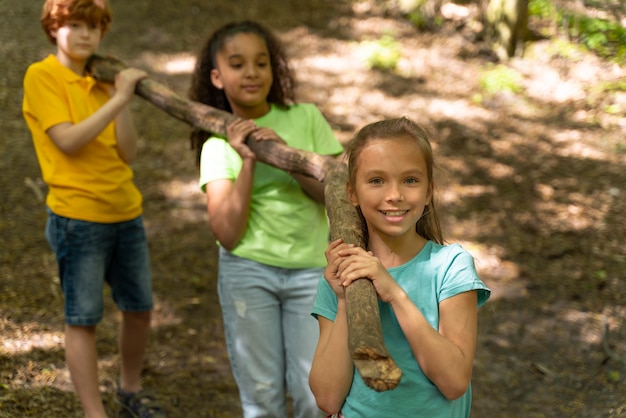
286 228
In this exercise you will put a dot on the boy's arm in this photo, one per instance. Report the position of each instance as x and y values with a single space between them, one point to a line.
126 135
70 138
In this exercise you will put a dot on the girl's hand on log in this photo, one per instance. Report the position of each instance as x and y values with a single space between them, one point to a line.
356 263
237 132
332 266
267 134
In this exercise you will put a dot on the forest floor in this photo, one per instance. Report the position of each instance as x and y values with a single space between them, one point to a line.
532 183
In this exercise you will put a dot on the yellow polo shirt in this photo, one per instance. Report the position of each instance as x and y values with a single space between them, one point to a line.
94 184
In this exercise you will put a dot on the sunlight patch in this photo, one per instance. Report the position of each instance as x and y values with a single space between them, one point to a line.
579 149
164 314
587 323
171 64
187 199
328 63
31 341
457 193
182 191
501 276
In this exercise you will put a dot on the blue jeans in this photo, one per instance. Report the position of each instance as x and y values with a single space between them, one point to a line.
270 334
90 254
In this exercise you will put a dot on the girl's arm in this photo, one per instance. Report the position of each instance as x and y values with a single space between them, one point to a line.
332 370
447 356
311 187
70 138
228 201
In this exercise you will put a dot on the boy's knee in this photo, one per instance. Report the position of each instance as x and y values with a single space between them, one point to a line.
137 318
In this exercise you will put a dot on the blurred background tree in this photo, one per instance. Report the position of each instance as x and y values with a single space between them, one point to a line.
507 25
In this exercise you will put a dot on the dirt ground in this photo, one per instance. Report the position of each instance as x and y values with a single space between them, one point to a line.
533 184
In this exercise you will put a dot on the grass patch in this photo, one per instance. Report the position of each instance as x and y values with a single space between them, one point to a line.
500 78
383 53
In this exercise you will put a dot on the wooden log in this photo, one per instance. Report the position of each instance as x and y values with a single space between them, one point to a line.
213 120
365 336
367 347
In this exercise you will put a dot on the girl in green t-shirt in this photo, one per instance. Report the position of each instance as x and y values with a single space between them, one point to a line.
270 225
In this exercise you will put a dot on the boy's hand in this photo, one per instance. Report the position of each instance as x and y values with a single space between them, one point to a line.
237 132
126 81
356 263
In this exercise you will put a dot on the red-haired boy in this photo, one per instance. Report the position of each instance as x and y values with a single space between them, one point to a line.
85 139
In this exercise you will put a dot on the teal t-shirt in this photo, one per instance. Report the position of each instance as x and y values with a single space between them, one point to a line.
438 272
286 228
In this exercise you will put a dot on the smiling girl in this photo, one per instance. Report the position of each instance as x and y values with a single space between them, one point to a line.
429 293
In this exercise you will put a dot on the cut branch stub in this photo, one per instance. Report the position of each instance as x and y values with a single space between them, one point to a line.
368 351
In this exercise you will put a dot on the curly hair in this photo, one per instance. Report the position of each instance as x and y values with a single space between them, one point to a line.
202 89
56 13
428 226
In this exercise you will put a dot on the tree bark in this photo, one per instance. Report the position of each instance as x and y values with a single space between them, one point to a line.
367 347
506 26
368 351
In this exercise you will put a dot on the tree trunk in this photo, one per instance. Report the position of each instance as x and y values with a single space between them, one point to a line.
506 27
369 353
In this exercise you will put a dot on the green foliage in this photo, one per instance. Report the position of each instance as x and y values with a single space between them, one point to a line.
477 98
383 53
543 9
605 37
599 92
418 19
421 13
500 78
614 85
600 274
566 49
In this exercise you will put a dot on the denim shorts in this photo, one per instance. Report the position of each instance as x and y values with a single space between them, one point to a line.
90 254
